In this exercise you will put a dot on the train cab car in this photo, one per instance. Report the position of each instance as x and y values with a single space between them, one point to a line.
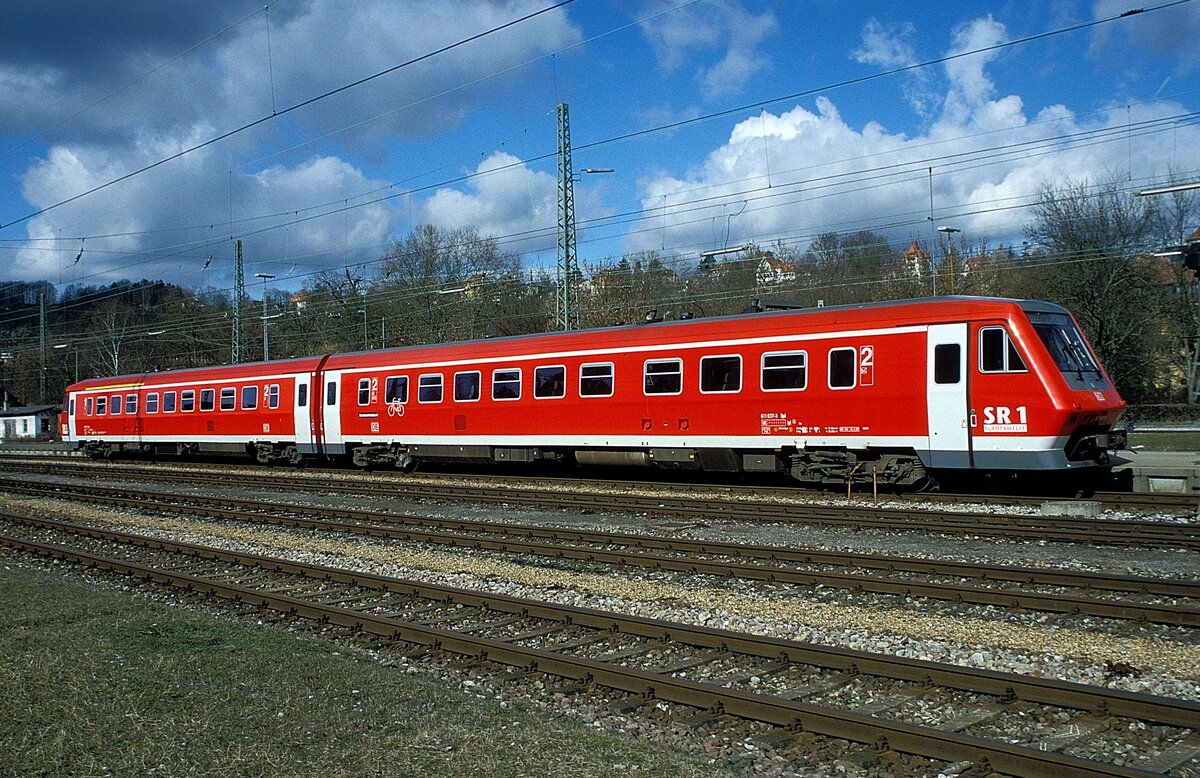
261 409
889 393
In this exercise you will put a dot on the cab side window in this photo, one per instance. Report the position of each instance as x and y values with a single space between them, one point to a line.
998 353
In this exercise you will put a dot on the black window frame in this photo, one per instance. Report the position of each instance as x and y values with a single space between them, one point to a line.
853 354
653 379
506 384
467 379
781 369
710 358
559 386
390 384
437 382
945 357
608 379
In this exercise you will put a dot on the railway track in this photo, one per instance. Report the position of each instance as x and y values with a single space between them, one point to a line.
929 710
742 505
1170 602
760 492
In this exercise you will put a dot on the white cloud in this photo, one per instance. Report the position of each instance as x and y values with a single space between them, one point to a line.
792 174
889 47
197 194
687 36
315 47
504 198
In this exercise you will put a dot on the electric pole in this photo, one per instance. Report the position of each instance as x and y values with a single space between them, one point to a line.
565 296
239 291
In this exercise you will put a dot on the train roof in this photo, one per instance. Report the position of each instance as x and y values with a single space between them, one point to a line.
886 313
949 308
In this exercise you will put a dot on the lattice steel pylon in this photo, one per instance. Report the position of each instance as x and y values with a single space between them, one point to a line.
239 293
566 297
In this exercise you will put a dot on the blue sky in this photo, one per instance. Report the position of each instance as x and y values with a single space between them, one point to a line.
726 122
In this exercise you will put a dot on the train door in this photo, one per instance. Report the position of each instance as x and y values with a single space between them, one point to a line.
68 431
946 395
331 417
302 415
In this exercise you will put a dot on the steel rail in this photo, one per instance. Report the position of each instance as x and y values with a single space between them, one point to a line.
1123 532
761 492
382 525
801 717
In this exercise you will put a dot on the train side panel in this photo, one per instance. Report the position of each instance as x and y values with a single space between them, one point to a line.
230 409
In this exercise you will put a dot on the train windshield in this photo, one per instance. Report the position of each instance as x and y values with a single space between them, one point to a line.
1066 345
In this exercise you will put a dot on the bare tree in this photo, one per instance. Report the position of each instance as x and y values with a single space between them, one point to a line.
1090 245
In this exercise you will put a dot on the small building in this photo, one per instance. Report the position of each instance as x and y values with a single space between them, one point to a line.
28 422
773 271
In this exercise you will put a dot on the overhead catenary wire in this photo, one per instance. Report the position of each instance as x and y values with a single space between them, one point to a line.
289 109
671 126
342 210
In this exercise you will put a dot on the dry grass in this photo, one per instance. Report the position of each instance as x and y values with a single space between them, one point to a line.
96 681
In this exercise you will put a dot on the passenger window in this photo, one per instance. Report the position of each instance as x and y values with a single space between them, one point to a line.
663 376
187 401
946 367
364 391
997 352
168 402
249 398
114 404
429 388
550 382
785 372
302 395
228 398
466 386
331 393
71 407
101 406
207 399
152 402
131 403
843 368
506 384
396 389
273 396
721 374
596 380
87 406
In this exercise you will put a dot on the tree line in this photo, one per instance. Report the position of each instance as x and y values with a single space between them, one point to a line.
1088 247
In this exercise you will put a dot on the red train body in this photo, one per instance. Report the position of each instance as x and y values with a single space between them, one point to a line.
888 392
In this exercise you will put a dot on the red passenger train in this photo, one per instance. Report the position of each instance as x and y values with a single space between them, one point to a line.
892 392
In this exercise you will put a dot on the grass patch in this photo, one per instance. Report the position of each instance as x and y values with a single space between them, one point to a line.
1165 441
97 681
